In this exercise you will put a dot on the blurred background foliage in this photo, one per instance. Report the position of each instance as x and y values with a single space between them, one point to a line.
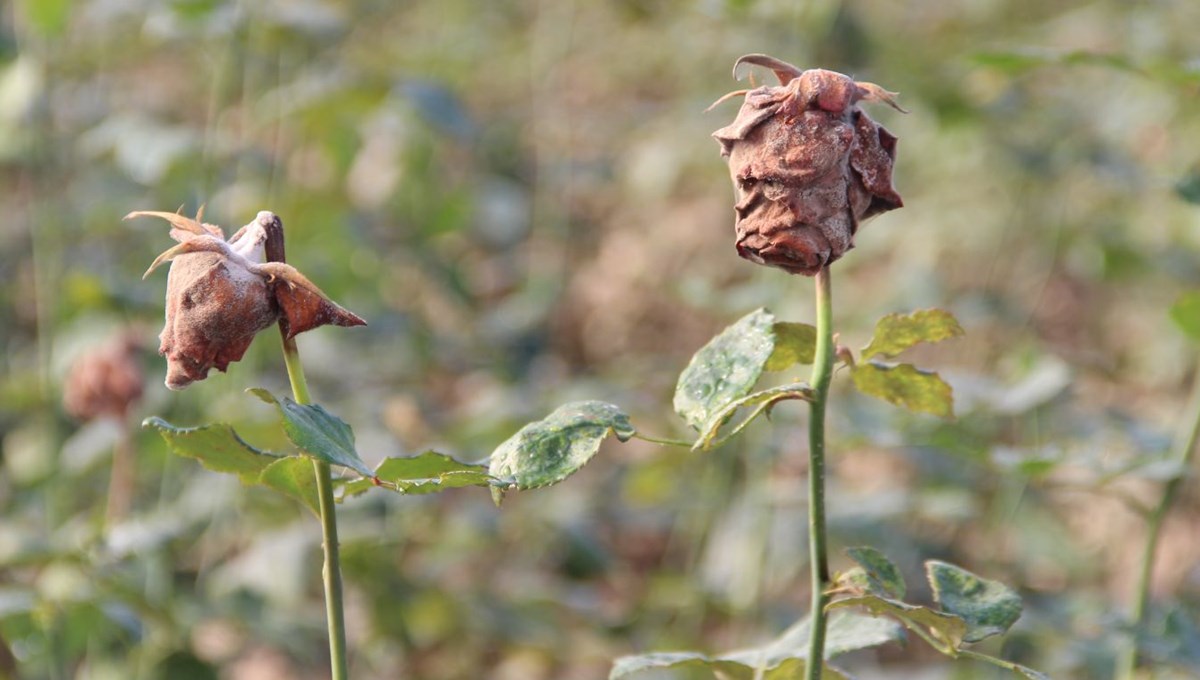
523 200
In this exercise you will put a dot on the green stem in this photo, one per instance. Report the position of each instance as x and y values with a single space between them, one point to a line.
332 573
818 552
1182 456
662 441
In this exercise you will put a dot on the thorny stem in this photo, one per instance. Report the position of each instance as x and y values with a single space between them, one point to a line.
1182 455
818 552
332 573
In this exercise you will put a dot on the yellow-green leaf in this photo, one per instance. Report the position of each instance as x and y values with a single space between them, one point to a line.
1186 314
905 385
795 343
895 333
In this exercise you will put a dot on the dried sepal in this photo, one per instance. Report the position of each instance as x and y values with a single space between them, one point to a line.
784 71
808 166
182 227
302 305
194 244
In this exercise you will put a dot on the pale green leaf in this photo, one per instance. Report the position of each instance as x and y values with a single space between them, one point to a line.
1186 314
317 432
988 607
895 333
294 476
944 631
550 450
216 446
725 369
780 659
905 385
49 17
795 343
219 448
428 472
761 401
882 577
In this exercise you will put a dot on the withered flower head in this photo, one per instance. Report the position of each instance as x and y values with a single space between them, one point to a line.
808 165
221 293
106 381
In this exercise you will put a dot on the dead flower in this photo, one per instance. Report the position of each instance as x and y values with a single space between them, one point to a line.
221 293
808 165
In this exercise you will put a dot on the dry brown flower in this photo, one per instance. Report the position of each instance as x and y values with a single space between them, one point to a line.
808 165
220 294
106 381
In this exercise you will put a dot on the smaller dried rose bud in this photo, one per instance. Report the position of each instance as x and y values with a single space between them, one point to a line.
106 381
220 294
808 165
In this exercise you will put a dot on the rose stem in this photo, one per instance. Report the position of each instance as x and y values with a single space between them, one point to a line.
333 571
121 479
818 554
1185 444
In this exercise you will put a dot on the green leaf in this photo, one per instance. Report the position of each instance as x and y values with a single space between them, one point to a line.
216 446
944 631
988 607
762 401
548 451
294 476
895 333
882 577
317 432
795 343
905 385
48 17
429 472
219 448
1186 314
726 368
781 659
1188 186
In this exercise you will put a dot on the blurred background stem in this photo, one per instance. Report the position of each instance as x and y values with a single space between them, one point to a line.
1185 444
332 573
818 553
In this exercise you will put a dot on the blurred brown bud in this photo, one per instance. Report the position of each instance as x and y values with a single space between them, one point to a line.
220 294
808 165
106 381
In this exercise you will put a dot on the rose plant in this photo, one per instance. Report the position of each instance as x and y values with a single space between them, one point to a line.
809 165
220 294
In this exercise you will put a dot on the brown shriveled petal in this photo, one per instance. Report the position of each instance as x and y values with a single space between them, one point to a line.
808 165
215 307
302 305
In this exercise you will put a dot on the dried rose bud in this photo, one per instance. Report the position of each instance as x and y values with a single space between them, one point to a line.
220 294
106 381
808 166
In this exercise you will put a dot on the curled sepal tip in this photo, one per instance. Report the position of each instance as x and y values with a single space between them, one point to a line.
784 71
